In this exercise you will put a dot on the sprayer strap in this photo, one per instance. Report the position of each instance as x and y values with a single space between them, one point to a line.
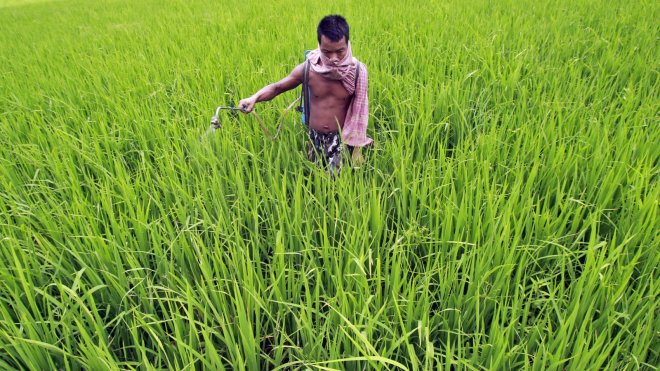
305 92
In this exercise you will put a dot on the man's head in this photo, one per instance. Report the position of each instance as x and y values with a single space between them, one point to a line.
332 34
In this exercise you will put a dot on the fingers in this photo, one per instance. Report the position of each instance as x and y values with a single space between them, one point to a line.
245 105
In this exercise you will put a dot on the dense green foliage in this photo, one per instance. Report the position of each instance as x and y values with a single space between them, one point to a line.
506 217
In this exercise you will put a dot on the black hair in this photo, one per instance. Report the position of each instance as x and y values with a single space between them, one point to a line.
334 27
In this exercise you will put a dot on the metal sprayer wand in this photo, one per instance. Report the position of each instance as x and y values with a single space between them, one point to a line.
215 121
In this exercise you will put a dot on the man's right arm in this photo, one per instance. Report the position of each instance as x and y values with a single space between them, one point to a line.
272 90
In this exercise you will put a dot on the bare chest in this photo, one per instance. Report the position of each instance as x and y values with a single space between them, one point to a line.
322 88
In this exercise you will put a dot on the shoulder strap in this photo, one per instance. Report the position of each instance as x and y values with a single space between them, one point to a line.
305 92
306 73
357 73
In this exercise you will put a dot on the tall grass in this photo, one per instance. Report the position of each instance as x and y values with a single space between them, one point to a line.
506 217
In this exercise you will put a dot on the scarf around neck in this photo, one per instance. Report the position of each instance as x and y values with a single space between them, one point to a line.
344 70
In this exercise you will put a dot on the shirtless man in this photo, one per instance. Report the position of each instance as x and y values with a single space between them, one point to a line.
338 104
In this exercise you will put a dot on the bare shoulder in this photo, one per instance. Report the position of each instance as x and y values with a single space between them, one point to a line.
294 79
297 72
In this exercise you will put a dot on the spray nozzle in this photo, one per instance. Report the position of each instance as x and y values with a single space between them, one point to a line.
215 122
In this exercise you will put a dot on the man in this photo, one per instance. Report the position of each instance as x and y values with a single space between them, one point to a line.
338 109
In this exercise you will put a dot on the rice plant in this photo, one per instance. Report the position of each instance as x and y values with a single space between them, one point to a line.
506 217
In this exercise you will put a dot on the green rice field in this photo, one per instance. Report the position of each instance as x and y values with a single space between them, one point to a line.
505 218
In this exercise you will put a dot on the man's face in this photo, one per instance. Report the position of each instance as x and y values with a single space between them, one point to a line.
335 51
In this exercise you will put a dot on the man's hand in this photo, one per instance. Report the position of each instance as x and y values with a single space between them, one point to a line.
246 105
